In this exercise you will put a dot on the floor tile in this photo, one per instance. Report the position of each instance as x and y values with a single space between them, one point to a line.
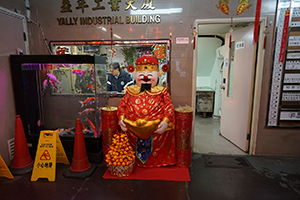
207 138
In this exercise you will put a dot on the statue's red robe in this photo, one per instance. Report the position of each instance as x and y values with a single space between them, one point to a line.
151 105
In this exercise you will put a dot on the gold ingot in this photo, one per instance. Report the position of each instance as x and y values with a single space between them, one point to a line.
142 128
109 108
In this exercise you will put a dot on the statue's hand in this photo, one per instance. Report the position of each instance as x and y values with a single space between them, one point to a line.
162 127
123 126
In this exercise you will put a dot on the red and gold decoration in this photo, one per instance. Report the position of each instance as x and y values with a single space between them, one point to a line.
165 68
257 19
142 128
244 4
230 31
284 36
147 116
160 51
130 68
266 32
120 158
223 6
183 130
60 50
147 63
109 126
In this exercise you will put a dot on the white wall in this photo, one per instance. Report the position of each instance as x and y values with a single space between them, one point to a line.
11 38
206 61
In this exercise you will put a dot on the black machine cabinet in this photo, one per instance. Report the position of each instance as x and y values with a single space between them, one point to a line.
49 94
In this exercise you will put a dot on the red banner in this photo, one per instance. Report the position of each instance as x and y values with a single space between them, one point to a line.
257 19
284 36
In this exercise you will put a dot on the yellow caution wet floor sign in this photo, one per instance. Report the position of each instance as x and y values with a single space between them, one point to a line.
61 156
4 171
49 152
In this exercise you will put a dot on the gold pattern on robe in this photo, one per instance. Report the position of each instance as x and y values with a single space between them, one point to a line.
151 101
145 112
137 101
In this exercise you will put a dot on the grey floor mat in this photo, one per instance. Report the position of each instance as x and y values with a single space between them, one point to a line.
226 161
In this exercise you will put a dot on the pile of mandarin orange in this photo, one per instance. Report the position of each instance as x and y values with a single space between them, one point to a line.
120 152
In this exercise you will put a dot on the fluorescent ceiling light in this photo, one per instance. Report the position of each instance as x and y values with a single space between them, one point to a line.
117 36
102 28
156 11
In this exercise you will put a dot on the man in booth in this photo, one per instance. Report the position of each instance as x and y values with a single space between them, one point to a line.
117 79
146 114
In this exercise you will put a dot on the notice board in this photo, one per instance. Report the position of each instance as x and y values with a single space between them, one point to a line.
284 98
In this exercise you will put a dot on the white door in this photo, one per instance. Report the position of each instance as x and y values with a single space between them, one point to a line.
237 93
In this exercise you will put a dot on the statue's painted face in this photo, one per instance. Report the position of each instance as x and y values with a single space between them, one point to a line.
147 77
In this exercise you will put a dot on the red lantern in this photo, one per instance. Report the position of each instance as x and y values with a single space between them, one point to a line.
130 68
165 68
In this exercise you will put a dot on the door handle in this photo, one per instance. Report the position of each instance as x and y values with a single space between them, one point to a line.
223 87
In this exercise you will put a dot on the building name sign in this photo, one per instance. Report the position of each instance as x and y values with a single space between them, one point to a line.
66 7
134 19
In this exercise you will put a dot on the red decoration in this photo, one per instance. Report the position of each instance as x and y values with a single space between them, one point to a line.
230 31
257 19
146 60
132 108
109 128
244 4
194 43
223 6
265 42
130 68
60 50
159 51
284 36
183 130
165 68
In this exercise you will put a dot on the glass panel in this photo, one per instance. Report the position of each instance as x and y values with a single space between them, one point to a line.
123 52
230 70
63 93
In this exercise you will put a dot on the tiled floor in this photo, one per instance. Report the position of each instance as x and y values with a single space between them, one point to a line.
207 139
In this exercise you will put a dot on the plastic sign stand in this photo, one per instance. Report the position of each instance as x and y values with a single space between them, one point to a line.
61 156
4 171
46 156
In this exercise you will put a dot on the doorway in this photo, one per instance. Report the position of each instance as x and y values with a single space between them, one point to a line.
209 135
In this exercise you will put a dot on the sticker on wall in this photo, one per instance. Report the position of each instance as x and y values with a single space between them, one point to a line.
240 45
226 62
244 4
223 6
182 40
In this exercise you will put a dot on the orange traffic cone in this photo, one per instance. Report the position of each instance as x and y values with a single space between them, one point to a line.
22 162
81 167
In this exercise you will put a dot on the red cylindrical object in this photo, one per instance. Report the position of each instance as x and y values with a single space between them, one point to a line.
183 129
109 127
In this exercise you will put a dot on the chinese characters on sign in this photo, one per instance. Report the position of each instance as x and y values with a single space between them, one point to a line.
115 6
